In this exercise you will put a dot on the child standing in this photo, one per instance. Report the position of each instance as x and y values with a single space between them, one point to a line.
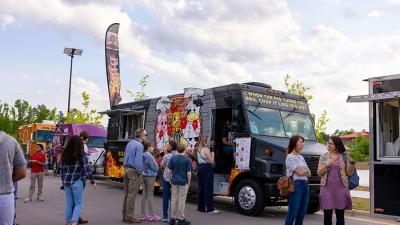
181 169
168 154
149 173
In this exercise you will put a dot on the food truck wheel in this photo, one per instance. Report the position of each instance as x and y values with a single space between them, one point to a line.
313 207
249 197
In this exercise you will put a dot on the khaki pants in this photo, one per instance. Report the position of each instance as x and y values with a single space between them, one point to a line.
148 194
132 181
178 201
33 178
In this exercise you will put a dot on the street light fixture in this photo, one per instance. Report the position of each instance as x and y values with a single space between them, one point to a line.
71 52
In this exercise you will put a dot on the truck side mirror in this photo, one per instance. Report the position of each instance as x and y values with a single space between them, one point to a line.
313 119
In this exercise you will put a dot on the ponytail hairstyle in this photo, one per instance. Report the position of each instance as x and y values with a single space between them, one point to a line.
292 143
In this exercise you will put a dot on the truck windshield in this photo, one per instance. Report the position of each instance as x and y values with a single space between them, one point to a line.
265 121
96 142
45 135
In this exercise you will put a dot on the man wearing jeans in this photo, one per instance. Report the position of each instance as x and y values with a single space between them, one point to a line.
12 168
38 160
133 163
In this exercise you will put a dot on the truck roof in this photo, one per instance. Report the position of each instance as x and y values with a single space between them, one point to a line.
250 86
75 129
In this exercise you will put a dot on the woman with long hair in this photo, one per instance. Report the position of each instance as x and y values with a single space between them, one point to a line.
74 170
297 168
334 167
206 177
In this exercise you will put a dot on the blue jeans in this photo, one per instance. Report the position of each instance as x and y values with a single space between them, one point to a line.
206 188
298 203
228 149
74 203
166 197
15 183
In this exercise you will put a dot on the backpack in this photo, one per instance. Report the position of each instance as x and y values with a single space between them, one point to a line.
354 179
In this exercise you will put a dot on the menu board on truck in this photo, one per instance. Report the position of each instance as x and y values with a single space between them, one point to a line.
242 153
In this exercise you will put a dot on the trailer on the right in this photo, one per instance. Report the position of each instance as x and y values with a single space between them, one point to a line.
384 140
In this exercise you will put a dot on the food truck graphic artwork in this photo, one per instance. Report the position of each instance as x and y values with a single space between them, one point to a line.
263 120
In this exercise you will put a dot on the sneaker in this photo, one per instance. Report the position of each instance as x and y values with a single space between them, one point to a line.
27 200
154 218
39 198
144 217
165 219
215 211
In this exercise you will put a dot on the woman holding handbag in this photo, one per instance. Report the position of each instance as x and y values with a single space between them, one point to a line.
297 168
334 172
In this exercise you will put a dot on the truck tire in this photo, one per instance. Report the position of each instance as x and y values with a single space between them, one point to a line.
249 197
313 206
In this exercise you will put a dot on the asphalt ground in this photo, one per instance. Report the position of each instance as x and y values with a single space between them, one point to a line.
103 207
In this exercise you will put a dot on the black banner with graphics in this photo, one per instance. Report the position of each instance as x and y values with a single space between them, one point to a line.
112 64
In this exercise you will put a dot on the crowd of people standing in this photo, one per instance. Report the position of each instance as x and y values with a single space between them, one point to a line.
334 168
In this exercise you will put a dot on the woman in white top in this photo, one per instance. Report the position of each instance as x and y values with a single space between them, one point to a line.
205 174
297 167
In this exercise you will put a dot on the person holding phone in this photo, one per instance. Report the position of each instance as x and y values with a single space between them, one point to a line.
334 172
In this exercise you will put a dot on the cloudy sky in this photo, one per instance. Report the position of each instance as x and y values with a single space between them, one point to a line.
329 45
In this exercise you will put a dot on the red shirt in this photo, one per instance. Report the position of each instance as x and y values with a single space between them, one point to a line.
36 167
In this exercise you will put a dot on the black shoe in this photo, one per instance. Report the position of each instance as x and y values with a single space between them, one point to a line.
173 221
183 222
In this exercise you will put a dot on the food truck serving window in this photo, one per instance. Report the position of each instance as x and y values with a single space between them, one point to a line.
130 122
388 128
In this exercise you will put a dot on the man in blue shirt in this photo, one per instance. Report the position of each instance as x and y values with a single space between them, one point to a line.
133 163
181 168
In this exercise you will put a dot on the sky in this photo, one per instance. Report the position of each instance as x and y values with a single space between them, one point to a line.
329 45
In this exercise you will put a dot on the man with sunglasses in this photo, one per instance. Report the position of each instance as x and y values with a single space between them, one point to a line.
133 163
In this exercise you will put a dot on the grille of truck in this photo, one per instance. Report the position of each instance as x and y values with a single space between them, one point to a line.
312 162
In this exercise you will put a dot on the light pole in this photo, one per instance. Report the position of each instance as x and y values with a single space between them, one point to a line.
71 52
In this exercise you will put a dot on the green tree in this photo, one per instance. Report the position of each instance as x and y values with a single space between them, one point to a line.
6 122
359 149
320 128
140 95
87 116
343 132
42 113
299 88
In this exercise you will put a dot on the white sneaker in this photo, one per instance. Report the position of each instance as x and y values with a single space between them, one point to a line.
27 200
39 198
215 211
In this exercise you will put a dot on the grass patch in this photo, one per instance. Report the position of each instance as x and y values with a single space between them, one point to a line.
361 203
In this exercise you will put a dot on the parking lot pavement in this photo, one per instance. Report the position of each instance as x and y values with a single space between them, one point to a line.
103 207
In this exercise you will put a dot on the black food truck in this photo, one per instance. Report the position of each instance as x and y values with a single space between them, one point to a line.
262 121
384 144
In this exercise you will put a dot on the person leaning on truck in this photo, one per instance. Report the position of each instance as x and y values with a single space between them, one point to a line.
334 172
297 167
12 168
38 160
133 163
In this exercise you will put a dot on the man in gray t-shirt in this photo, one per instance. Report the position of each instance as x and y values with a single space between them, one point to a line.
12 168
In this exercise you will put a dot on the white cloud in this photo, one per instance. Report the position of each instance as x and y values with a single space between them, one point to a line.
375 14
212 43
394 2
5 21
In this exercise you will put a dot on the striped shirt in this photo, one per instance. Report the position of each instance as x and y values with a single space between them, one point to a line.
72 173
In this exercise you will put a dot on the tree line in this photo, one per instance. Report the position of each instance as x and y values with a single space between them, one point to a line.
21 113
